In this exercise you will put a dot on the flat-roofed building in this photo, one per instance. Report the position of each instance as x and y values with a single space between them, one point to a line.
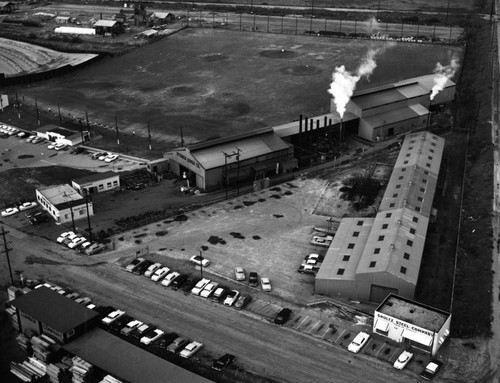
61 135
63 203
96 183
247 156
44 311
388 257
414 324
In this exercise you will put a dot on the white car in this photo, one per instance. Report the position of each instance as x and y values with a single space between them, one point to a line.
239 274
77 241
198 260
51 146
167 281
151 338
30 138
65 235
21 134
209 289
133 264
83 246
266 284
112 316
131 326
358 342
403 360
103 156
231 297
60 147
191 349
10 211
27 206
111 158
196 290
151 269
160 273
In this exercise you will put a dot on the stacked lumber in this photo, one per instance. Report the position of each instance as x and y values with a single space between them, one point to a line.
59 372
24 342
42 348
82 371
110 379
31 370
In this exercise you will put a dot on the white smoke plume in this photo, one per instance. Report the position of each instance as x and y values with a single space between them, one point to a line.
344 82
371 25
443 73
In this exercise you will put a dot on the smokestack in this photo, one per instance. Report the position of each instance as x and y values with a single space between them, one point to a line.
443 73
341 123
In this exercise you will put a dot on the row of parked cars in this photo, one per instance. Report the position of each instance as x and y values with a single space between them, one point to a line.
20 206
80 243
105 156
311 264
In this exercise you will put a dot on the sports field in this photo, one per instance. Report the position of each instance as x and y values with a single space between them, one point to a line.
212 83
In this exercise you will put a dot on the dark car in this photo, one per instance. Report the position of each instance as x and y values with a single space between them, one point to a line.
242 301
142 330
104 311
179 281
283 316
38 218
178 344
219 294
77 150
224 361
253 279
140 269
120 323
431 369
165 340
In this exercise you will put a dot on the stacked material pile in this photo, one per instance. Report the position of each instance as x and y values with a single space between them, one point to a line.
31 370
42 348
110 379
59 372
24 342
82 371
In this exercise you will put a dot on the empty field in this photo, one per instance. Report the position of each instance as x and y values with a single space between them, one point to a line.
212 83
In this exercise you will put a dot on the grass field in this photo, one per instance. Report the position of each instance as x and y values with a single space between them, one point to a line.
213 82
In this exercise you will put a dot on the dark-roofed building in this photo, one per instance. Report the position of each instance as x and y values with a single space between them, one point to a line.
63 203
6 7
241 157
44 311
61 135
370 258
412 323
127 361
96 183
107 27
161 18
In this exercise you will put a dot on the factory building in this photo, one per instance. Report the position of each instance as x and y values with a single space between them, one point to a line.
248 156
44 311
411 323
395 109
63 203
370 258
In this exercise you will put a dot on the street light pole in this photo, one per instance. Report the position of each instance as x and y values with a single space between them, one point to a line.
201 264
7 255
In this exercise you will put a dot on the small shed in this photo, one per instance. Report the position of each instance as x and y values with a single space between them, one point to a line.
107 27
63 19
6 7
161 18
148 34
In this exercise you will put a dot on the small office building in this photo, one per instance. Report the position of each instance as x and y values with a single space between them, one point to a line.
414 324
61 135
63 203
96 183
44 311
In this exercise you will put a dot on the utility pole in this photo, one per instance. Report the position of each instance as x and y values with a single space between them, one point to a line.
6 250
86 192
117 131
149 136
201 264
81 129
37 112
60 117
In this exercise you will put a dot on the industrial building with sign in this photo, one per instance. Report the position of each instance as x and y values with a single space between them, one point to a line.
412 323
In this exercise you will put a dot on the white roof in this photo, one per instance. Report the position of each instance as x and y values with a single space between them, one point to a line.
75 30
105 23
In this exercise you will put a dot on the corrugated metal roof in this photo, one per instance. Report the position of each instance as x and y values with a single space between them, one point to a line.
60 194
127 361
293 128
250 147
53 309
423 149
234 137
377 98
105 23
95 177
346 243
395 115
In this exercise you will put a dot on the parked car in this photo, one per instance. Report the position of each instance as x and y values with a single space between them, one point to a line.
141 330
77 241
151 269
21 134
51 146
178 344
358 342
239 274
84 301
37 218
191 349
96 155
200 261
77 150
27 205
95 248
30 138
66 235
120 323
283 316
208 289
253 279
133 264
103 156
219 294
224 361
81 247
200 285
131 326
114 315
111 158
10 211
242 301
431 370
170 278
179 281
320 241
160 273
308 269
266 284
403 360
140 269
156 334
37 139
59 147
231 297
